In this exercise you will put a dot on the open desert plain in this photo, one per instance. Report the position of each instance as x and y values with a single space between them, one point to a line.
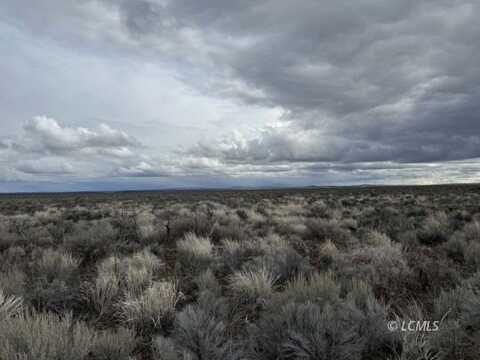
315 273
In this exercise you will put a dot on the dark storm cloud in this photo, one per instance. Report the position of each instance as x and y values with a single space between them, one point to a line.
370 80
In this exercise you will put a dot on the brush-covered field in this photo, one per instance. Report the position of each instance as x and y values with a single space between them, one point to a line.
206 275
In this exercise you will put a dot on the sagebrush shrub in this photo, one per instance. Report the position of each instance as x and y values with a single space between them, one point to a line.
435 229
281 258
54 264
90 241
383 267
203 335
52 281
472 255
308 331
165 349
322 230
472 231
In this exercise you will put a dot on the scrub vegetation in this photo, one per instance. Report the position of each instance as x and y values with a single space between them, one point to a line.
315 273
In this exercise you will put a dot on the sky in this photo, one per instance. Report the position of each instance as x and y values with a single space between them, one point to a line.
153 94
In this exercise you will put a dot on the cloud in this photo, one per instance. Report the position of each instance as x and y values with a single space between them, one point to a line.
47 134
45 166
143 169
359 82
371 89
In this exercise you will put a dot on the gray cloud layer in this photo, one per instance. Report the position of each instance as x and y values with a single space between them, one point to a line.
371 80
358 82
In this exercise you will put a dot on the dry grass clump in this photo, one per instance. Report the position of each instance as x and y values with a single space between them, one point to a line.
326 254
233 254
114 345
376 239
319 288
194 252
154 309
52 280
121 278
165 349
472 255
472 231
250 286
9 305
206 281
33 336
146 220
13 282
105 290
54 264
138 271
384 267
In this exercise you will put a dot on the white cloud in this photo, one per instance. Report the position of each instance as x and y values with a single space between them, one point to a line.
48 134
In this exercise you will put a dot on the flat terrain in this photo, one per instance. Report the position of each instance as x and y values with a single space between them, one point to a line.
311 273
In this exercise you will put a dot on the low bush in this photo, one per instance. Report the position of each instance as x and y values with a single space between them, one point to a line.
202 336
435 229
52 281
154 310
33 336
322 230
384 267
308 331
194 253
252 286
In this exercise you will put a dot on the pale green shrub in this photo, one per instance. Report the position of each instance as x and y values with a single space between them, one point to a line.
203 336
